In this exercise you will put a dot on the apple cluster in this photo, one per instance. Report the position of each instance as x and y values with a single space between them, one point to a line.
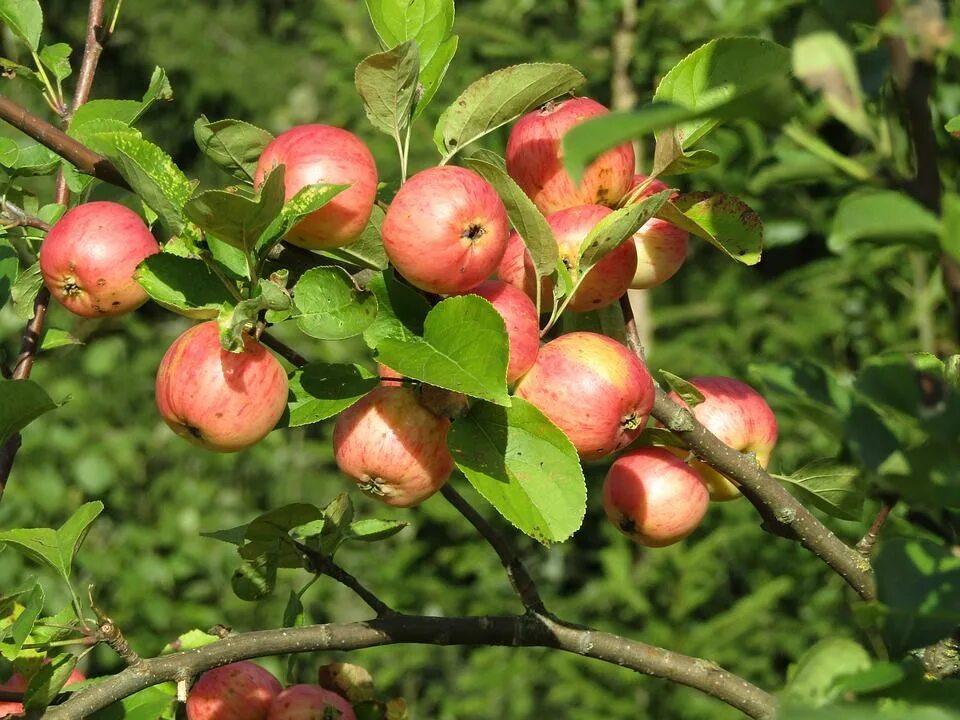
245 691
447 233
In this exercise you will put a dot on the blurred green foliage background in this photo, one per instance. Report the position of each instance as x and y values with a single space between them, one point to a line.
730 593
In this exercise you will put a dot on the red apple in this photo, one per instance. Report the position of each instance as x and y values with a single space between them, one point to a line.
516 268
17 683
535 159
446 230
388 376
608 279
740 417
310 702
661 246
653 497
592 388
393 447
520 317
216 399
239 691
314 154
90 255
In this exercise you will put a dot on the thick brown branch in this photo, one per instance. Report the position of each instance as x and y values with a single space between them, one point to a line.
85 159
520 579
523 631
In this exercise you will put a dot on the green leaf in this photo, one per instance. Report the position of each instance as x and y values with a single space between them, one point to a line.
25 20
94 111
190 640
21 402
183 285
232 145
882 216
293 614
401 310
526 219
29 158
463 348
588 140
718 72
54 338
918 582
56 58
687 392
426 21
46 684
55 548
497 99
669 157
953 125
616 228
605 321
307 200
372 530
878 676
9 270
834 489
367 250
256 578
23 625
321 390
329 306
725 221
825 63
151 173
387 83
812 679
236 219
159 701
433 70
524 466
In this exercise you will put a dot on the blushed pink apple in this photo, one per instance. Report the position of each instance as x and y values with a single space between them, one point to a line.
608 279
653 497
238 691
516 268
740 417
393 447
535 159
18 684
388 376
310 702
446 230
89 257
593 388
661 246
520 318
216 399
314 154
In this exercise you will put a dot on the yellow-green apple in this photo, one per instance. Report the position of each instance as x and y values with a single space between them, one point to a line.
593 388
446 230
17 683
310 702
216 399
740 417
314 154
535 159
610 278
393 447
238 691
654 497
89 257
661 246
516 268
520 318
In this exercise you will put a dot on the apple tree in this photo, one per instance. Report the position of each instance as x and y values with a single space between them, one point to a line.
502 352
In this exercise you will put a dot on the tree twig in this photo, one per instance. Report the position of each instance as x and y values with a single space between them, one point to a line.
20 217
513 631
283 350
520 579
866 543
322 564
